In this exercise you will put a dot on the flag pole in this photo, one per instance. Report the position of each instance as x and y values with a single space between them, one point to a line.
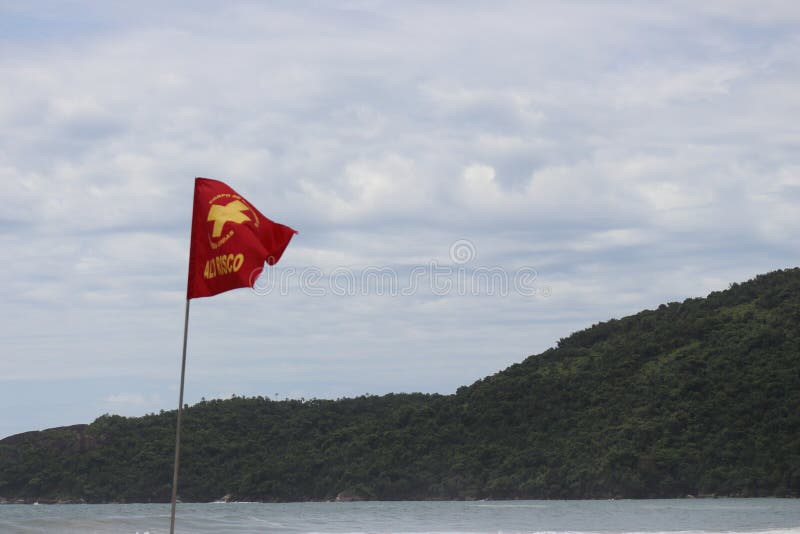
178 430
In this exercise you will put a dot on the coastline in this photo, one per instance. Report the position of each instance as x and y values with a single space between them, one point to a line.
227 500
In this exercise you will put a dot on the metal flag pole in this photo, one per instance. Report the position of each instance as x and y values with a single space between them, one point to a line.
178 430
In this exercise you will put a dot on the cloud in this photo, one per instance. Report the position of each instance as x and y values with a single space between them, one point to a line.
629 154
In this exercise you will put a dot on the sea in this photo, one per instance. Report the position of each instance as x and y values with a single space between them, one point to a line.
681 516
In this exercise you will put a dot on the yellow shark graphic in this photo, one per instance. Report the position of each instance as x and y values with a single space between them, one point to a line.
231 212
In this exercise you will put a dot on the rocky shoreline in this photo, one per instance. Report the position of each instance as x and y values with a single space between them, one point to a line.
344 496
42 501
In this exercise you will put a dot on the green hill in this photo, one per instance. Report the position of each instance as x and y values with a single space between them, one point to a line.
699 397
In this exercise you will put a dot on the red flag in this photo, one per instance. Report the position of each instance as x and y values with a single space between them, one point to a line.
231 240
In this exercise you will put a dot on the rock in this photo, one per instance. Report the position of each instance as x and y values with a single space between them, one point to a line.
348 496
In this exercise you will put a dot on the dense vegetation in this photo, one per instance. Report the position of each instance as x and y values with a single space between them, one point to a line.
699 397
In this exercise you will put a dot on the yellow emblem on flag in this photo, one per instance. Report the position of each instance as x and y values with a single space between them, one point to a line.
231 212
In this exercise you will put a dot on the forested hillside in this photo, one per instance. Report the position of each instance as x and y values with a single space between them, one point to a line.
694 398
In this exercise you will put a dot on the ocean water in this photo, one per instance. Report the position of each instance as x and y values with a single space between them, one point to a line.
701 516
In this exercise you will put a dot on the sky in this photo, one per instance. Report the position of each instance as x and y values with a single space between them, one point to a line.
471 182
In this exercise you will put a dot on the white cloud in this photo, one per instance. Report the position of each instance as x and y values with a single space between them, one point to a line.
651 86
631 154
